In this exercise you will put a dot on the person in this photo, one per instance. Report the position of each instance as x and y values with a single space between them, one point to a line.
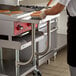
71 28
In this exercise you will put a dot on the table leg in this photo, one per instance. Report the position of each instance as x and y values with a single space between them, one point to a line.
1 60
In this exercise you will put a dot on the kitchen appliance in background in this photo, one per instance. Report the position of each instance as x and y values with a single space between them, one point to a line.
8 13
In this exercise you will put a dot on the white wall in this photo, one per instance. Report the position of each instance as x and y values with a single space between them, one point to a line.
37 2
30 2
62 23
9 2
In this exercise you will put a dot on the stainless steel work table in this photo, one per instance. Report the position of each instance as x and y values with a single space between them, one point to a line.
21 43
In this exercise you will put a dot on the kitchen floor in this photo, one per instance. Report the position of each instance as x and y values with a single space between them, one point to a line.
59 67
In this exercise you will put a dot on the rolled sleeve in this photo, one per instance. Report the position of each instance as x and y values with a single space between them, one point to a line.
64 2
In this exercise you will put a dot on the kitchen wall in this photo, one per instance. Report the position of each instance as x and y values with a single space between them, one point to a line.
37 2
9 2
32 2
62 23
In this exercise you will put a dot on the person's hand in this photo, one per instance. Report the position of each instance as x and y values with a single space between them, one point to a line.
39 14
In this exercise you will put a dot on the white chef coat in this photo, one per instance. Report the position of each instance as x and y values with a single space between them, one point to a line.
70 5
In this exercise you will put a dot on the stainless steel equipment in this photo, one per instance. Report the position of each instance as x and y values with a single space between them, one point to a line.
18 43
12 33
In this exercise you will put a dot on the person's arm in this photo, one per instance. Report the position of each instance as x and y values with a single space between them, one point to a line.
54 10
51 11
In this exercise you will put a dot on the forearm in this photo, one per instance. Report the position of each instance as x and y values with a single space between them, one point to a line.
55 9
